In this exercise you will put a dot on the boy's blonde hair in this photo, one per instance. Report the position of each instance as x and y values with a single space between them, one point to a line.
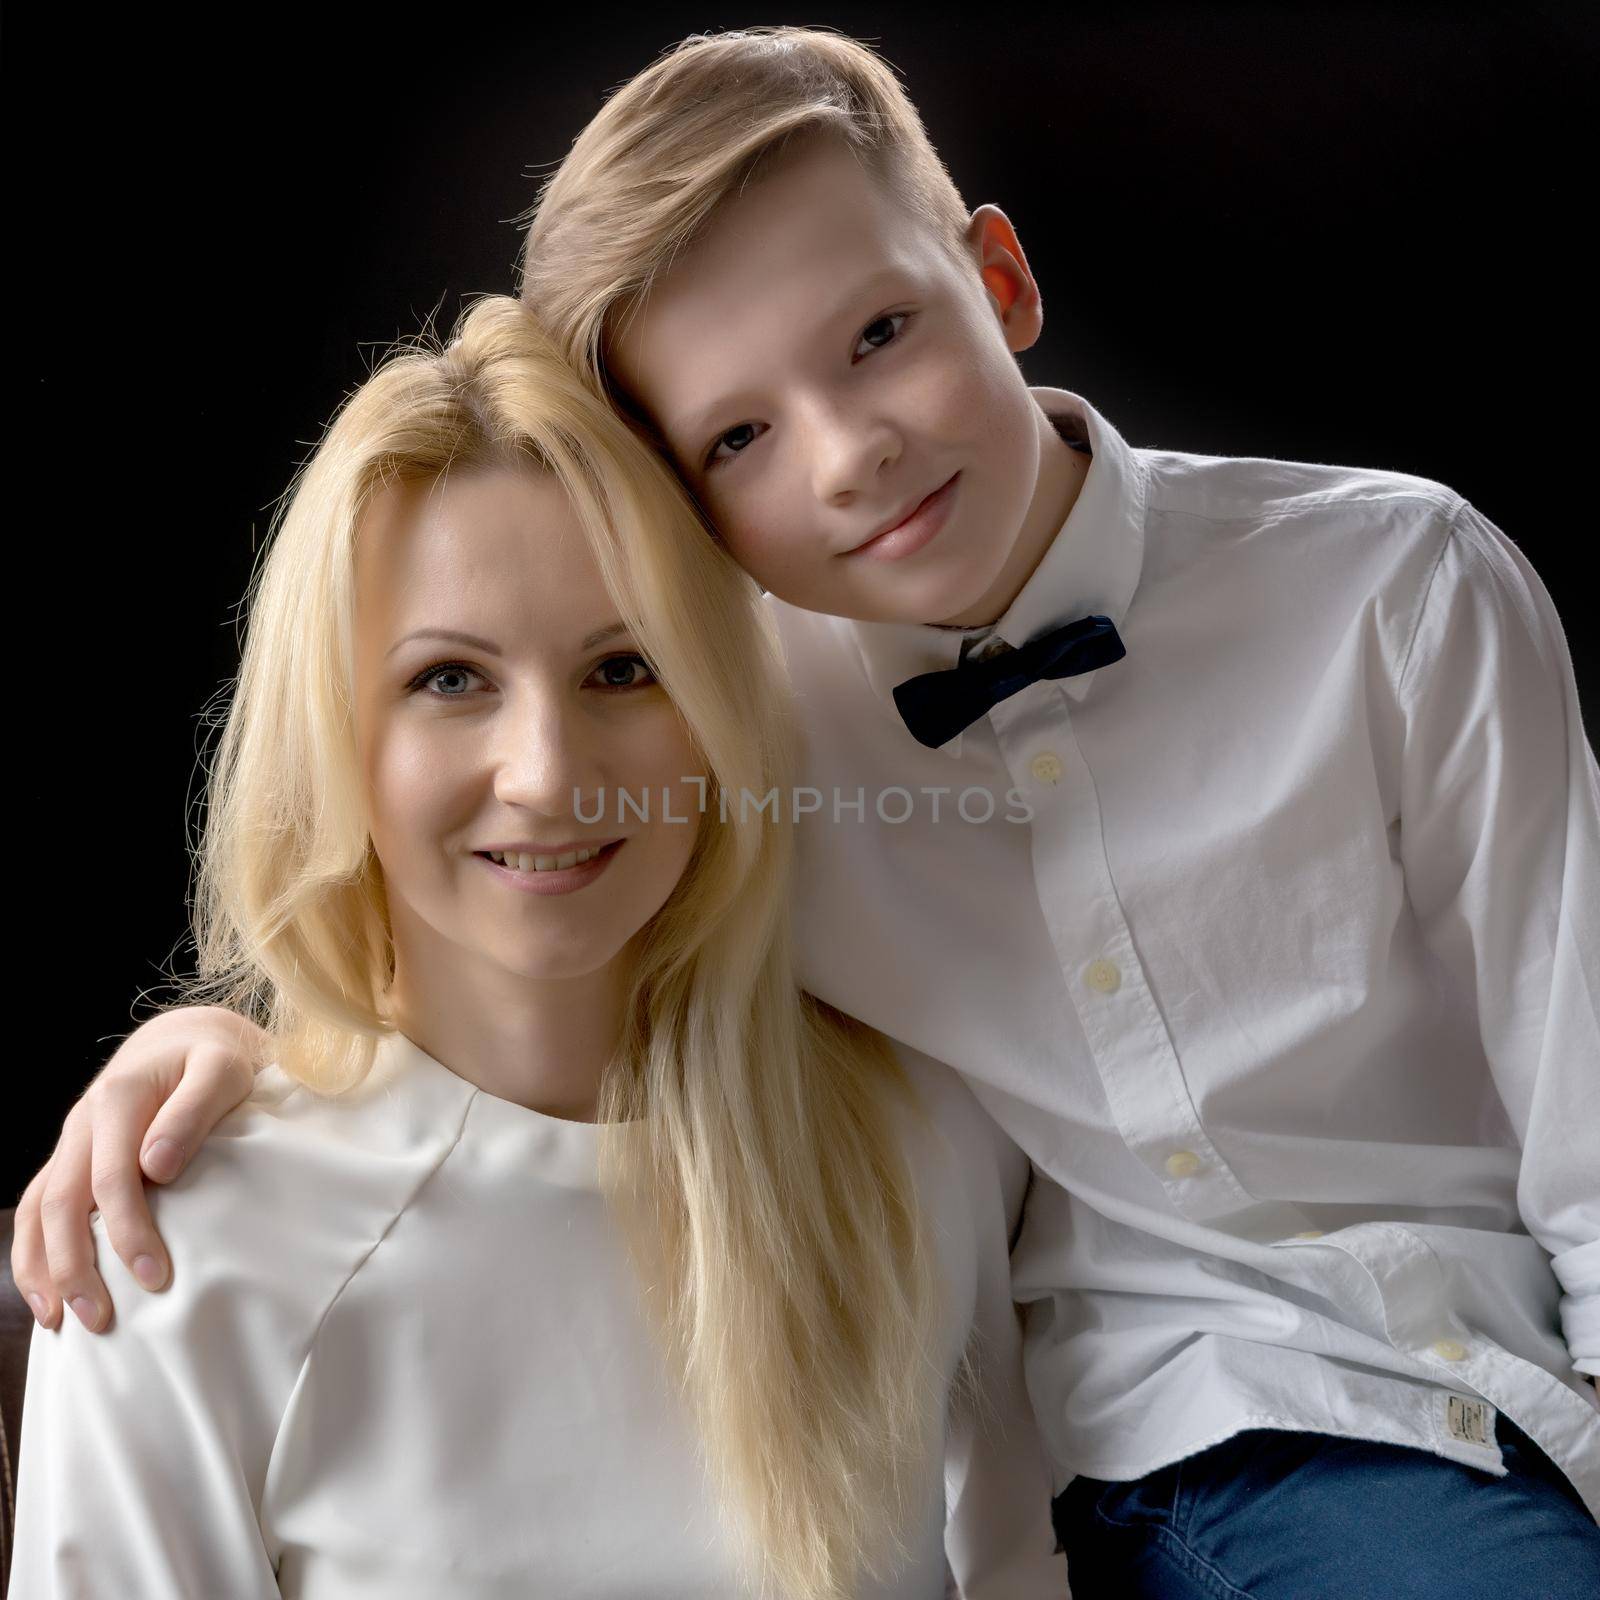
671 145
751 1144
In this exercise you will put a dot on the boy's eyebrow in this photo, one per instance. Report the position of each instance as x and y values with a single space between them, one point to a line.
874 284
611 631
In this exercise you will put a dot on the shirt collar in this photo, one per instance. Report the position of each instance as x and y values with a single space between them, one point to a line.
1090 568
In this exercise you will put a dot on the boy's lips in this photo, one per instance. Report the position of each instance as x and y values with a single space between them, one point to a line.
913 529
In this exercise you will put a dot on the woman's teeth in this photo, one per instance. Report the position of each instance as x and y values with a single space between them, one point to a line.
521 863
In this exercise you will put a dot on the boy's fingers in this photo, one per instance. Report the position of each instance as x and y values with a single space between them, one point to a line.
119 1132
131 1112
215 1080
30 1269
64 1207
121 1113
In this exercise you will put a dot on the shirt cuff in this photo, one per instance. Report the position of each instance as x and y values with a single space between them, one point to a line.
1578 1272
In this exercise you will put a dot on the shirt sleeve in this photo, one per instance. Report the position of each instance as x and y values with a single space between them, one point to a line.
1500 846
145 1449
999 1544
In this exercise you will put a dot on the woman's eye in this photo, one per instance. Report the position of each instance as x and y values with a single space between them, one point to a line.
878 332
737 439
449 681
624 672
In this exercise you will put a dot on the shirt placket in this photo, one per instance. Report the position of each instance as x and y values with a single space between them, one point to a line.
1133 1051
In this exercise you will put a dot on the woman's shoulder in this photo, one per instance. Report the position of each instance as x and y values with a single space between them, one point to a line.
373 1136
293 1188
403 1111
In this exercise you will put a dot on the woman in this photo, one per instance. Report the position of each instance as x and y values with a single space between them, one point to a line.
477 853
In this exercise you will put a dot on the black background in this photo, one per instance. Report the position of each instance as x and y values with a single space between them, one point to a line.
1350 233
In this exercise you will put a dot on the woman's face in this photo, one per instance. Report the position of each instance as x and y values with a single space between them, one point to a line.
496 693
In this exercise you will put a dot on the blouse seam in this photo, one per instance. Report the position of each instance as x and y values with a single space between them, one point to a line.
410 1200
349 1278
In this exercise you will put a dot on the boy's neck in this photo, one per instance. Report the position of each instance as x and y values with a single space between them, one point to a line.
1056 487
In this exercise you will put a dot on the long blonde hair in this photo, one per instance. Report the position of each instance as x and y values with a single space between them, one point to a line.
795 1294
674 143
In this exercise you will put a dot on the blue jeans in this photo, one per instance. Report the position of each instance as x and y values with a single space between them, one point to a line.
1301 1516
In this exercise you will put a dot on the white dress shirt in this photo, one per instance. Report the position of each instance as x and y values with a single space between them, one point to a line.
403 1357
1279 955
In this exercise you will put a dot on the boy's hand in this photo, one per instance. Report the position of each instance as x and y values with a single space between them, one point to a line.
148 1111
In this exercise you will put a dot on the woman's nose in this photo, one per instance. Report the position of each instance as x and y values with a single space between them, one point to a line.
545 757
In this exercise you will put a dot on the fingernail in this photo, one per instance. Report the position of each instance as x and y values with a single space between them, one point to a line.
40 1309
163 1159
148 1271
86 1311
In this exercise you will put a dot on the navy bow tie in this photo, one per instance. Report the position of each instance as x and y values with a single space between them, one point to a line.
936 706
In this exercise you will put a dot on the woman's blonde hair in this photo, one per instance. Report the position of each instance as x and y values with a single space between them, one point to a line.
752 1128
667 149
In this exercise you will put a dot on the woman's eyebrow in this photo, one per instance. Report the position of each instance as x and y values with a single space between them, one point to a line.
611 630
447 633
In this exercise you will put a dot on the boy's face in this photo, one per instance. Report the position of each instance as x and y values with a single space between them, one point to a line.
819 367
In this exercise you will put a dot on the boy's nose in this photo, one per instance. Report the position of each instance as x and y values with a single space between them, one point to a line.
849 453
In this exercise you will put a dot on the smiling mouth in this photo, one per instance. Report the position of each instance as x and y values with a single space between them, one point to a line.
533 864
913 530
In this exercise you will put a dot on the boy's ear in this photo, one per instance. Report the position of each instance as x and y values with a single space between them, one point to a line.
1004 270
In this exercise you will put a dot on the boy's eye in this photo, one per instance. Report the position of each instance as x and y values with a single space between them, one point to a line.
448 681
878 332
624 672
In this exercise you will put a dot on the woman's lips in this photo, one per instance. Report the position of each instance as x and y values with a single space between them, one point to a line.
909 536
560 880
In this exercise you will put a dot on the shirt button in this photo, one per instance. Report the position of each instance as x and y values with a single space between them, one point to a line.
1104 977
1183 1163
1046 767
1449 1349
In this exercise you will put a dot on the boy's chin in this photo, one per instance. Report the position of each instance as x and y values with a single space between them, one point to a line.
981 599
943 599
972 604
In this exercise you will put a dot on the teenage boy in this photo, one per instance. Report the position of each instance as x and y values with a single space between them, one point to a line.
1228 823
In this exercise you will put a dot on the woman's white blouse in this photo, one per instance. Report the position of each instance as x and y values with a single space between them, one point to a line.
403 1357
